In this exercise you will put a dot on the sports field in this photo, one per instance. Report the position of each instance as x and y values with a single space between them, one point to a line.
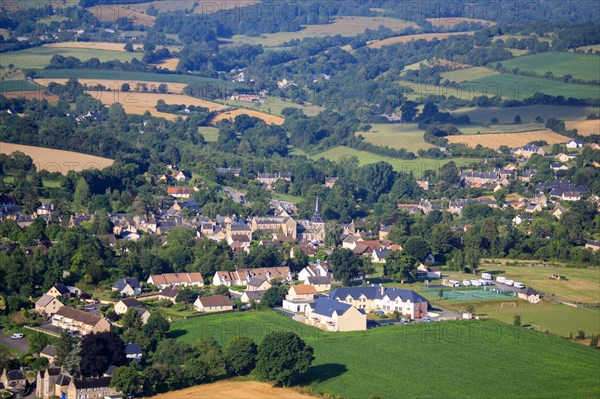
396 136
409 38
57 160
39 57
512 140
417 166
580 66
365 364
527 113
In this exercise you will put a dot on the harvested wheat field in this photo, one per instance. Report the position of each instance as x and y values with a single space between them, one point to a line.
511 140
234 389
31 95
115 85
89 45
270 119
110 13
409 38
57 160
584 128
450 21
167 63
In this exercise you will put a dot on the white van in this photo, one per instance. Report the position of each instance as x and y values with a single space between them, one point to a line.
466 283
509 282
519 285
486 276
500 279
17 336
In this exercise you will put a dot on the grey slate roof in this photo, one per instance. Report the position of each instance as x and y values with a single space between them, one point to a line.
122 282
376 293
326 307
319 280
133 349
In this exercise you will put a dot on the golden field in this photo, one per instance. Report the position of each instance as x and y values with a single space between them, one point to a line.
32 95
584 128
450 22
511 140
233 389
115 85
168 63
89 45
110 13
409 38
270 119
57 160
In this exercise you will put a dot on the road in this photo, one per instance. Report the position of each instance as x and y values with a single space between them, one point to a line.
19 344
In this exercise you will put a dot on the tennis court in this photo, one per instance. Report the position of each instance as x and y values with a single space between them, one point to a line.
458 294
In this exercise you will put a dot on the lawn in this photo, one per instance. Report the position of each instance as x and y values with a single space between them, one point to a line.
39 57
527 113
397 136
464 359
580 66
287 197
417 166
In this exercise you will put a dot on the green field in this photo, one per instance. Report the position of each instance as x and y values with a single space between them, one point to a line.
580 66
396 136
127 75
527 113
274 106
211 134
39 57
19 85
417 166
461 75
512 128
454 359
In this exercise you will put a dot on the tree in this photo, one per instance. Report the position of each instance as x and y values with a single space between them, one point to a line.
157 327
274 296
172 353
517 119
399 266
282 358
222 290
128 47
366 267
240 356
417 247
210 352
82 193
67 353
409 111
125 87
131 319
517 321
37 342
98 351
163 88
441 239
126 379
345 264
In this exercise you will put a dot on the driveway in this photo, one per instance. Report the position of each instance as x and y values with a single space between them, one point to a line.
19 344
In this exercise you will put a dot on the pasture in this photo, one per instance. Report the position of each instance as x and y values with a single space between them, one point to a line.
416 166
396 136
18 86
275 105
211 134
472 73
449 22
57 160
584 128
512 140
481 348
231 115
409 38
31 95
527 113
39 57
112 12
580 66
115 85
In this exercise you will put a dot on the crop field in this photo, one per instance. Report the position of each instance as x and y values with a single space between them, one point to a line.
416 166
39 57
170 64
234 389
31 95
519 87
466 91
57 160
18 85
491 129
108 46
345 26
594 48
450 22
270 119
584 128
468 74
580 66
115 85
4 33
421 36
527 113
110 13
274 105
481 348
509 139
204 7
139 103
397 136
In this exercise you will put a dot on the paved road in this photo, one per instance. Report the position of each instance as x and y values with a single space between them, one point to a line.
19 344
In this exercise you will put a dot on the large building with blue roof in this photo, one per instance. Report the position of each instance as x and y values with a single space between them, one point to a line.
374 298
330 315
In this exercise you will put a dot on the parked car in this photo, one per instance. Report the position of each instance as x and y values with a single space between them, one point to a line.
476 283
486 276
519 285
426 319
509 282
466 283
500 279
17 336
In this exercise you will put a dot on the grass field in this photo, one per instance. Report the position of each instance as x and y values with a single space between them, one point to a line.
462 75
270 119
207 7
512 140
450 22
18 85
397 136
511 128
30 95
527 113
364 363
234 389
345 26
584 128
275 105
580 66
132 76
115 85
57 160
211 134
417 166
409 38
110 13
39 57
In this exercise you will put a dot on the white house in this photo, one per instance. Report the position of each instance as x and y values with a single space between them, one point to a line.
213 303
575 144
311 271
330 315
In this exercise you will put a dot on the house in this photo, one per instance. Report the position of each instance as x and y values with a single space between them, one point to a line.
558 211
14 382
228 171
424 184
526 176
571 196
529 294
593 245
213 303
269 178
562 157
90 388
59 290
128 286
533 207
277 224
243 276
330 182
330 315
169 293
255 296
312 270
517 220
180 192
47 305
46 382
49 352
556 166
429 272
133 351
45 210
474 178
388 300
79 321
321 283
575 144
124 305
176 279
379 255
301 292
258 284
529 150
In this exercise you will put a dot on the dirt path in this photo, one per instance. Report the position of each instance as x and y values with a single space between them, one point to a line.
233 389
